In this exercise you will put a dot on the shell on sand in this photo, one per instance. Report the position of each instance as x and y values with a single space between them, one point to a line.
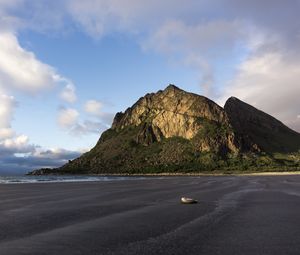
187 200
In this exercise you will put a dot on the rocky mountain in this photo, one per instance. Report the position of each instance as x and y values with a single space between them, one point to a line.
174 130
176 113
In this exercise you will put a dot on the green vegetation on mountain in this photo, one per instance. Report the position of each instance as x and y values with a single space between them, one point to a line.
175 131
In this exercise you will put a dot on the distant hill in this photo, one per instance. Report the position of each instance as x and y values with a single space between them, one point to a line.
177 131
261 129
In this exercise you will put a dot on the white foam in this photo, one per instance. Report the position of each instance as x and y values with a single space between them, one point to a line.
54 179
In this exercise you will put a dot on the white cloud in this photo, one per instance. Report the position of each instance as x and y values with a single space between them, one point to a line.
17 144
88 127
101 17
93 107
6 133
7 107
69 93
20 69
8 4
67 117
176 35
55 153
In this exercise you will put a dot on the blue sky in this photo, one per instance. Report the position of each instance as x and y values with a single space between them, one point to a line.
68 66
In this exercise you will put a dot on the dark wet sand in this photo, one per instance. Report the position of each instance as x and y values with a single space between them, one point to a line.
235 215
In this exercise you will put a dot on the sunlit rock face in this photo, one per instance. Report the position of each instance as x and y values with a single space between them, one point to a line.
173 113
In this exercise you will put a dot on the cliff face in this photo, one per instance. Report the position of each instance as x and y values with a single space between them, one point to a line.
260 130
173 130
174 113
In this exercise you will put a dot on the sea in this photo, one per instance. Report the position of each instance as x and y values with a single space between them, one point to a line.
19 179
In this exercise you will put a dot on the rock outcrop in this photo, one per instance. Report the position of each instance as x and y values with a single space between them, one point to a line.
173 113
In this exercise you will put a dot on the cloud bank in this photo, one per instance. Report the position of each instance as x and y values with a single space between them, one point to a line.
34 158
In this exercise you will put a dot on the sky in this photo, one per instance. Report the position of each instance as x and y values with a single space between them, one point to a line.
67 66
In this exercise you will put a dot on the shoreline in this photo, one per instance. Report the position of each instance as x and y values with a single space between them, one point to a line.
43 179
205 174
182 174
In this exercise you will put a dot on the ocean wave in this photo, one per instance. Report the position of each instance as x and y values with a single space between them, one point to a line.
53 179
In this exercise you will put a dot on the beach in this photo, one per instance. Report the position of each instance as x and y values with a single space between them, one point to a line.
234 215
